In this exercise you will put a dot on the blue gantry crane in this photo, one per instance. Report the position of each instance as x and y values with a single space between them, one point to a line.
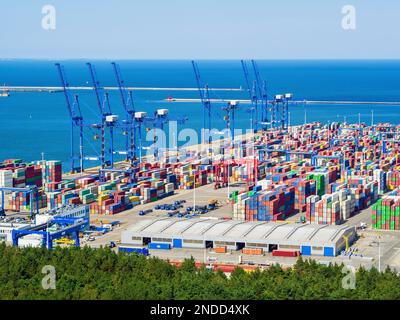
77 124
251 89
107 118
262 96
274 113
65 226
130 120
205 100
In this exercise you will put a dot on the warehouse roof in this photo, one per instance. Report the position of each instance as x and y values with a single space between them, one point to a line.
239 231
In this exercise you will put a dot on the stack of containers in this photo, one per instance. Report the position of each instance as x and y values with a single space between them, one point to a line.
251 207
321 178
53 171
33 175
347 204
365 195
171 178
327 210
267 204
386 213
310 208
113 203
86 196
160 188
19 177
239 209
333 173
331 208
54 199
149 195
52 186
169 189
12 162
303 189
264 205
21 201
393 180
6 179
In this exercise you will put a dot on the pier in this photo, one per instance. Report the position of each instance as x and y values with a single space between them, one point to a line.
57 89
384 103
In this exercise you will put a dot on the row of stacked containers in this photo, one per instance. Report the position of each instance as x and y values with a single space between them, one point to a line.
155 181
325 193
319 192
386 212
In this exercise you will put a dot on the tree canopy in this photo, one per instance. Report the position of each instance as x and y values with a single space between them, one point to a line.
85 273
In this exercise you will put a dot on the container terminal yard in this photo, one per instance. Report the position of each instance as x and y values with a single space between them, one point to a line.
325 191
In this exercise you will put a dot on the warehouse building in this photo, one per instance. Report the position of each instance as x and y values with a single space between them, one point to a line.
7 228
309 239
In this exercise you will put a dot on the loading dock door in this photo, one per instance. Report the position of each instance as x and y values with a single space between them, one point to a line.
177 243
240 245
146 241
328 252
209 244
306 250
272 247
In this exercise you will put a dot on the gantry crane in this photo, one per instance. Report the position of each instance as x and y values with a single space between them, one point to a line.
251 89
261 86
205 100
107 118
129 108
77 124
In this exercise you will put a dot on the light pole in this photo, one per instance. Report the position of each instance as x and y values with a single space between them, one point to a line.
379 253
372 118
194 193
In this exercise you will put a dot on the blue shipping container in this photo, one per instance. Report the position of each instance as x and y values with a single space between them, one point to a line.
306 250
143 251
177 243
159 245
329 252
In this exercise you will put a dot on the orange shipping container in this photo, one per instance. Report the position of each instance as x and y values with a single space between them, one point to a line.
220 250
252 251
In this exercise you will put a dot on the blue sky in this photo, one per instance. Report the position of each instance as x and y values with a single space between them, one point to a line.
202 29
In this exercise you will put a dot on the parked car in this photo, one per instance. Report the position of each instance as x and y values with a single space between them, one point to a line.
144 212
172 213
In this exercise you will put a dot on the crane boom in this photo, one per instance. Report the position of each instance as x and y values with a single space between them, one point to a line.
67 93
99 91
205 100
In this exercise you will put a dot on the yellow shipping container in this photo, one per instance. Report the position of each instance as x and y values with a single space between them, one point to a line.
103 197
134 199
